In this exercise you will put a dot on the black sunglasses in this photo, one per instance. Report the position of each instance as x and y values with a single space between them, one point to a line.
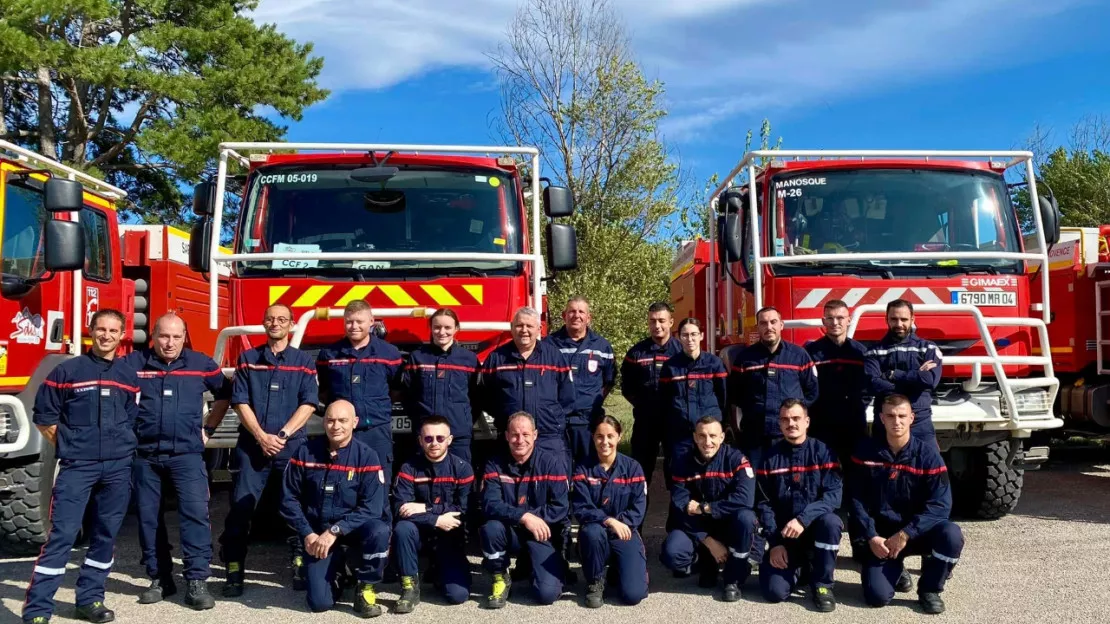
429 439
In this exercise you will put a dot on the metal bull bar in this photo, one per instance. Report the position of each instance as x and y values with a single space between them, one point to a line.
230 150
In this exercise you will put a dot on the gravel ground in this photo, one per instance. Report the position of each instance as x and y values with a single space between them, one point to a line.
1048 561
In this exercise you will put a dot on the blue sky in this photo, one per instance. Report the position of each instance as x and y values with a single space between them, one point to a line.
943 74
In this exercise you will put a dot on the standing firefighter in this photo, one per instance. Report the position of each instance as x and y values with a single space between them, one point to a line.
591 358
693 389
334 497
274 393
902 363
362 369
530 375
640 374
171 435
839 416
86 407
439 380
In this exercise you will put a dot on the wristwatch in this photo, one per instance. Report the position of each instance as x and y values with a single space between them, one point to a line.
705 508
209 431
283 435
335 530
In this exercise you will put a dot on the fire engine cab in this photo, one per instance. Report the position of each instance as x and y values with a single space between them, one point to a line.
938 229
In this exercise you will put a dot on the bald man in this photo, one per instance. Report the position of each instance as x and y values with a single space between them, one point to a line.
335 497
171 436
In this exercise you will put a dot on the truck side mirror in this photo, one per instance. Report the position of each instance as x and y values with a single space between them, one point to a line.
1050 217
730 226
62 195
200 243
63 245
204 198
557 201
562 247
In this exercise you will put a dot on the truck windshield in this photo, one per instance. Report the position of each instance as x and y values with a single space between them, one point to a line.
910 211
300 209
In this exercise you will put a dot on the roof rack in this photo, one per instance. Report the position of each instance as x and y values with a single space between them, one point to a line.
38 161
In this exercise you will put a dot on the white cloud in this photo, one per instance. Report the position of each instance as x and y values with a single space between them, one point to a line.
718 58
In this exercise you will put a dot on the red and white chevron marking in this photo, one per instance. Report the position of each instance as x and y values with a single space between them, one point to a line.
816 297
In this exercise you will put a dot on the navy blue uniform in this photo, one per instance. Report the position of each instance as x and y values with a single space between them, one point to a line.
364 377
539 486
904 491
800 482
619 493
443 487
894 367
691 389
542 385
94 403
170 424
442 383
640 374
760 381
274 386
347 490
727 482
595 372
839 416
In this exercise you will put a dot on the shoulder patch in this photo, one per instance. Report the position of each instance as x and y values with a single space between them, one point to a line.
748 471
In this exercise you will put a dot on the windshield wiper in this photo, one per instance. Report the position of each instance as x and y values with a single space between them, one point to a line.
969 268
862 268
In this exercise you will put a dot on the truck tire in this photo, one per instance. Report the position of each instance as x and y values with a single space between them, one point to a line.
990 489
25 508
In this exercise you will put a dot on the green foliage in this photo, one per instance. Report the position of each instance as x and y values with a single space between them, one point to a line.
1077 173
694 221
571 88
141 92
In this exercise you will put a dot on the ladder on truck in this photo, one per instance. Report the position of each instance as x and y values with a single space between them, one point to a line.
1102 325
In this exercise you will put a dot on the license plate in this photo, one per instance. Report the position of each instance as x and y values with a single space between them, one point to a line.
402 424
998 299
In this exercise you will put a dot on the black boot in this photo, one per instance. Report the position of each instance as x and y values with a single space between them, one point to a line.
731 592
233 586
296 555
197 596
96 612
595 593
499 592
410 594
931 602
904 584
366 601
824 599
158 590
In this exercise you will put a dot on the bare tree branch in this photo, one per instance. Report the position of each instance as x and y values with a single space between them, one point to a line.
127 137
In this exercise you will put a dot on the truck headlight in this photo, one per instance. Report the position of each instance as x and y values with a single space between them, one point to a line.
1030 401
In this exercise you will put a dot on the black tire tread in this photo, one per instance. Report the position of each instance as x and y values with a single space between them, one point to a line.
22 527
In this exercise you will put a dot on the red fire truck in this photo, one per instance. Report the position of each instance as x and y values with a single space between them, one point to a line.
936 228
408 228
63 256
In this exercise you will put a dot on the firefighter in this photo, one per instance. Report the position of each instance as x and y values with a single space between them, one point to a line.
274 393
439 379
171 435
525 504
640 385
362 369
711 502
591 358
902 363
901 501
693 387
530 375
609 500
799 491
86 407
334 497
839 415
762 376
430 502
